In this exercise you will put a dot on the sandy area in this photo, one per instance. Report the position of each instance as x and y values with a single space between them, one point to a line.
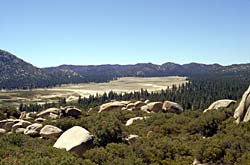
73 91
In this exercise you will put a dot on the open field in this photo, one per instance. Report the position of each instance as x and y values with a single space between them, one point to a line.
73 91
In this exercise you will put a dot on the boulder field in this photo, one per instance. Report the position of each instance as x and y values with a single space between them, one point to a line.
147 106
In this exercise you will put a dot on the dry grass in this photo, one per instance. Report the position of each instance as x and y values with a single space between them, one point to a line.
73 91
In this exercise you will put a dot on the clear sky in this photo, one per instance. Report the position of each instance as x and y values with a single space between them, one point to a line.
55 32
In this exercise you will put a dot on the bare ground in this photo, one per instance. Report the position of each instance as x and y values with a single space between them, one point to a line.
73 91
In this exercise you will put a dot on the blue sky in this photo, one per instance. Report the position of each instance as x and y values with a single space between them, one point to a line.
53 32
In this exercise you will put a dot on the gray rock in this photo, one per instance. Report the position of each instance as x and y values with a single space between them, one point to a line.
169 106
75 139
154 107
21 124
74 112
33 129
40 119
131 120
46 113
2 131
50 131
220 104
113 105
131 139
139 104
19 130
242 112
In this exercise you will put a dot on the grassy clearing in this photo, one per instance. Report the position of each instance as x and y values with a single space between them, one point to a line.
73 91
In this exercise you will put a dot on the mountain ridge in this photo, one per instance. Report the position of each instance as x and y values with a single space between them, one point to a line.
16 73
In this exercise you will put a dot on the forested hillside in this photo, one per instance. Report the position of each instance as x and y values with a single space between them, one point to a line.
16 73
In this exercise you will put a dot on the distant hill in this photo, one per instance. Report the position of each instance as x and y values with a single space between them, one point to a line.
16 73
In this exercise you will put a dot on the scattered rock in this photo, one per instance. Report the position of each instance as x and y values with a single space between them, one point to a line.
50 131
220 104
169 106
75 139
131 120
242 112
33 129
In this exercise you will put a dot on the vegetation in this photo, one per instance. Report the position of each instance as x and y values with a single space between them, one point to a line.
164 138
18 74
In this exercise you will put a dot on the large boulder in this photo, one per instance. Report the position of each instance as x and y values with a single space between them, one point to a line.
75 139
113 105
50 132
131 120
153 107
33 129
220 104
169 106
72 111
242 112
46 113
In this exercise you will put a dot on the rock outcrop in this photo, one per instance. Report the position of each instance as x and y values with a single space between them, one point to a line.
169 106
220 104
75 139
50 132
242 112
